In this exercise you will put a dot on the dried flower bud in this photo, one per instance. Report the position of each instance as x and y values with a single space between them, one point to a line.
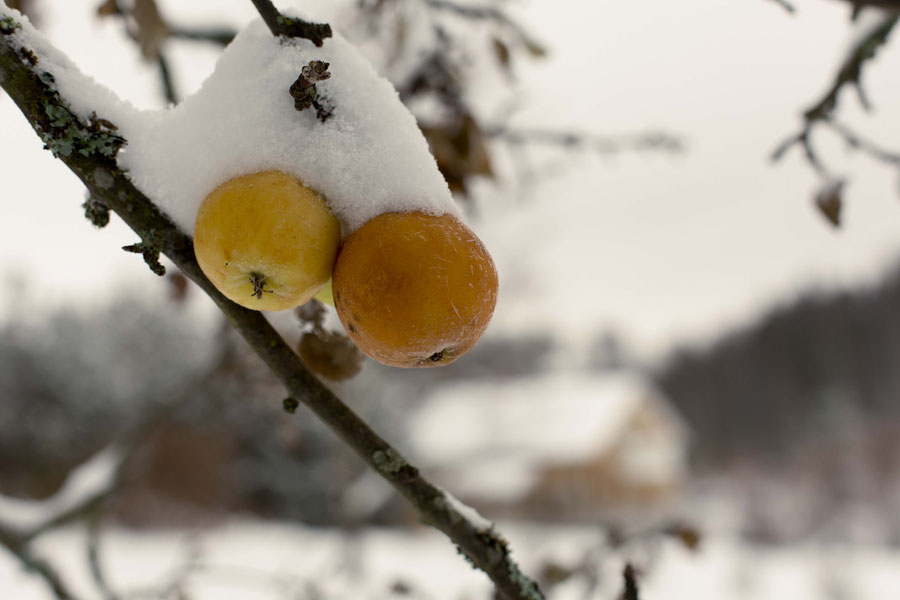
330 354
829 200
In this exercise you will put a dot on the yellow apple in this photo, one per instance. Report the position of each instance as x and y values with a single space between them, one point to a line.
266 241
325 295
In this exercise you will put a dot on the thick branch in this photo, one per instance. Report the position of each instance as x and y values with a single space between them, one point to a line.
98 170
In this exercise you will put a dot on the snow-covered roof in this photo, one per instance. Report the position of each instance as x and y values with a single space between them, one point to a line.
502 433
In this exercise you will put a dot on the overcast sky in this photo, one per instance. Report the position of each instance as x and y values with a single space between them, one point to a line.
658 248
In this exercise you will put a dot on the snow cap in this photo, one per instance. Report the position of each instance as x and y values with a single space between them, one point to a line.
369 158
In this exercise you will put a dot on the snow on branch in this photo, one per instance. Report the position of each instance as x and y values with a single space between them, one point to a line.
28 77
86 485
84 489
470 514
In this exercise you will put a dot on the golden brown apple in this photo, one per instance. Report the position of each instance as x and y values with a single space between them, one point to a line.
413 289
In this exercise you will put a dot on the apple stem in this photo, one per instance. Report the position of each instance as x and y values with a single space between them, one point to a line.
258 281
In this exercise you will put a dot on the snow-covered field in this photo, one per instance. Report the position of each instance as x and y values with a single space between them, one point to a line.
252 560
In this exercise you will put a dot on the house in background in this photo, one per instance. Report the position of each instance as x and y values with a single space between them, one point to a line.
566 446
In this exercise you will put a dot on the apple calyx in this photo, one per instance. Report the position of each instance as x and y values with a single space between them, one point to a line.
258 281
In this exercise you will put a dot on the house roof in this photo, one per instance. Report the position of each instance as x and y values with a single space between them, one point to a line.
496 436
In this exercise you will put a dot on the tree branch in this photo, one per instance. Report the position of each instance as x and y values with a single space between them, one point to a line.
221 36
654 140
165 76
886 4
489 13
291 26
851 70
95 565
850 73
786 5
18 547
854 140
33 92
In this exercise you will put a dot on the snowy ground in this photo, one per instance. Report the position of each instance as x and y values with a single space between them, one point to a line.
253 560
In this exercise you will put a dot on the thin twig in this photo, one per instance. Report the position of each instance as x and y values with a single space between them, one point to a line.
851 70
279 24
630 590
165 75
176 582
850 73
489 13
856 141
222 36
485 548
95 565
786 5
602 144
19 548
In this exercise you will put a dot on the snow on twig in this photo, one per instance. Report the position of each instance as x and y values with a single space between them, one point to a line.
470 514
